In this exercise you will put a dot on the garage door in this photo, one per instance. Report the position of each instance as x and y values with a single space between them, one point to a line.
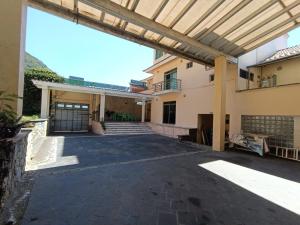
70 117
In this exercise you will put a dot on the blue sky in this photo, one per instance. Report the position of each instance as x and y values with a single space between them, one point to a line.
72 49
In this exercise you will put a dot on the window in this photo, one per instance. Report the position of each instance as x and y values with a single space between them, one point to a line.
211 77
69 106
251 77
189 65
169 112
60 105
170 79
158 54
246 75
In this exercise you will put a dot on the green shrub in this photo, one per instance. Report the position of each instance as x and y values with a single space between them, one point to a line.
9 123
32 95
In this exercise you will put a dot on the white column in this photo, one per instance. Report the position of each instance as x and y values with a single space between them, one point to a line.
102 107
143 111
12 49
45 103
219 103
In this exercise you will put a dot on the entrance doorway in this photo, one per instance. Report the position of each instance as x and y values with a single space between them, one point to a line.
205 129
148 112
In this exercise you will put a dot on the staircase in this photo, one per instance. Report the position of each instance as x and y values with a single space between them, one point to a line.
126 128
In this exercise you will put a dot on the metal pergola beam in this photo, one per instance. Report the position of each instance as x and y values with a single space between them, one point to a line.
126 5
157 13
273 37
283 6
146 23
278 26
204 16
245 20
116 31
180 15
133 7
259 25
226 17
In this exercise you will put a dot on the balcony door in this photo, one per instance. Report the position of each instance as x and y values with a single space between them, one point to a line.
170 79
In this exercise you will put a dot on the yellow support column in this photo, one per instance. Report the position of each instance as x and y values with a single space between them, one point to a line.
102 107
12 48
219 103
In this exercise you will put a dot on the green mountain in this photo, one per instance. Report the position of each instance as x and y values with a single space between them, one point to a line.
32 62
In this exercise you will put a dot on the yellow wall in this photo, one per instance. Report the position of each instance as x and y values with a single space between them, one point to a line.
287 71
71 97
12 49
125 105
197 95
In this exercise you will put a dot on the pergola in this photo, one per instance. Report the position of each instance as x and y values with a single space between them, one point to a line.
211 32
198 30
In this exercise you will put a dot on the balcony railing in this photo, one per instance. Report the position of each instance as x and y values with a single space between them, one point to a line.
171 85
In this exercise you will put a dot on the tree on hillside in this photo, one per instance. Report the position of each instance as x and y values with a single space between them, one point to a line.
32 62
32 95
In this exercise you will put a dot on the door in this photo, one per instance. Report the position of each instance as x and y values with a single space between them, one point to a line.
170 79
70 117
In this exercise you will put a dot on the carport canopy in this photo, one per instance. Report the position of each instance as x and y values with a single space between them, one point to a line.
199 30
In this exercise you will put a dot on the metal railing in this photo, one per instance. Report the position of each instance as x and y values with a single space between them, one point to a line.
172 84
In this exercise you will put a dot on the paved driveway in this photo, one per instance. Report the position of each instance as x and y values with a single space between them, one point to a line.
154 180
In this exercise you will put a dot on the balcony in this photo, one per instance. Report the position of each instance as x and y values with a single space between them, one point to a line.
167 86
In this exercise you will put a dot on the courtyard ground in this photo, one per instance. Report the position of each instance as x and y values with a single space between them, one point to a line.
155 180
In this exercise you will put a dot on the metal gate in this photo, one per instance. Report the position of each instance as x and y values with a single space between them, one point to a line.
68 117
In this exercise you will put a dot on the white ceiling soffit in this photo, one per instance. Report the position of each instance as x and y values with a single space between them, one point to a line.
198 30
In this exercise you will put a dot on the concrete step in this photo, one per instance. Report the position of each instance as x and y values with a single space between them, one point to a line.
119 128
127 128
111 134
127 131
124 125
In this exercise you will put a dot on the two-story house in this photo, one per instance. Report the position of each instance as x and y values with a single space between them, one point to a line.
261 94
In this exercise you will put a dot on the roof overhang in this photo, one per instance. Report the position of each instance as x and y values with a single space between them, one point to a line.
169 58
275 61
88 90
198 30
